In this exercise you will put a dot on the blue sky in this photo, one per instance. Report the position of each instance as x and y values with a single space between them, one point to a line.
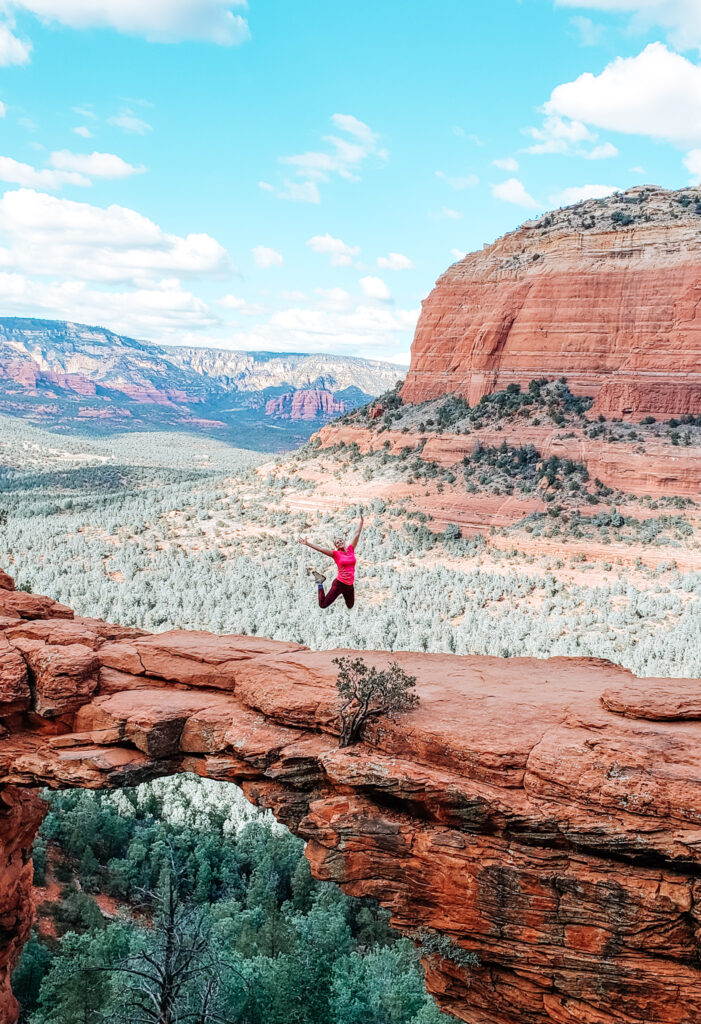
294 176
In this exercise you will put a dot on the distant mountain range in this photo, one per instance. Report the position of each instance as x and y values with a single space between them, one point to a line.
73 378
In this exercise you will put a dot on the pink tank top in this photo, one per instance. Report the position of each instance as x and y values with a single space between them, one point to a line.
345 562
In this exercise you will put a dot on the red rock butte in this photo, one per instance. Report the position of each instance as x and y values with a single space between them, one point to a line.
606 293
545 815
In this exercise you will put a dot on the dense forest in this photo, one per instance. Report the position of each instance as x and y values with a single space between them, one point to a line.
172 891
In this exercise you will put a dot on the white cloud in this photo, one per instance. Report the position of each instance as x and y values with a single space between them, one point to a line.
513 191
266 186
3 109
13 50
93 165
129 122
160 311
692 162
508 163
85 112
49 236
459 183
395 261
459 254
17 173
340 253
577 193
637 170
157 20
604 151
265 257
558 135
83 131
371 331
457 130
375 288
657 94
343 158
66 168
680 18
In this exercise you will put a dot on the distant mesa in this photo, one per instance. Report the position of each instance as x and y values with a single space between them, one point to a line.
606 293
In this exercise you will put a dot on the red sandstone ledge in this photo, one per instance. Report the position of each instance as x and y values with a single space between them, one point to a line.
545 814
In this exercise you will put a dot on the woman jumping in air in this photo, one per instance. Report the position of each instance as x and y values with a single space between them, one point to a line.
344 557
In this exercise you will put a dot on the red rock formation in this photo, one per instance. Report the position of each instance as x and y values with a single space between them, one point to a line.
605 293
659 468
305 405
513 811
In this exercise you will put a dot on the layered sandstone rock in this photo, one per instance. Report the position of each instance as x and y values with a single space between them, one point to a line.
543 814
605 293
305 405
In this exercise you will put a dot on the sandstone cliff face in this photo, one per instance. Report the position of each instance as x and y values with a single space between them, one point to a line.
305 405
544 814
606 293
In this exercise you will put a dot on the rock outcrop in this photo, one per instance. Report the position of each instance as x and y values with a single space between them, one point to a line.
306 404
543 814
605 293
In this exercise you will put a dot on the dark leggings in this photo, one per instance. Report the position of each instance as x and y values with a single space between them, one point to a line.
335 590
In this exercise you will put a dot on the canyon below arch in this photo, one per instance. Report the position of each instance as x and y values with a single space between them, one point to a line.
542 814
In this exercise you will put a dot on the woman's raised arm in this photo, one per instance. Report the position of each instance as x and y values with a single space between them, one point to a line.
358 532
322 551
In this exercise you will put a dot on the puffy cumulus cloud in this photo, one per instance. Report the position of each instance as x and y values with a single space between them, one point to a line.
13 50
343 157
395 261
577 193
681 19
513 191
16 173
266 258
341 255
568 137
44 235
66 168
83 131
161 311
165 21
93 165
457 182
232 302
129 122
692 162
375 288
657 94
507 163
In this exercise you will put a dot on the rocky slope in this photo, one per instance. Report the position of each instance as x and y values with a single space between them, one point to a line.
606 293
543 814
65 375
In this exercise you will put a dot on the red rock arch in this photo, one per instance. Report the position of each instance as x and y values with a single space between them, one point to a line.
517 811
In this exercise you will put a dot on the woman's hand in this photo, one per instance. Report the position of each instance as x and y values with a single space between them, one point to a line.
303 540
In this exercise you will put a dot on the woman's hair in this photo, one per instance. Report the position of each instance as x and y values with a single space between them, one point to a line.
338 543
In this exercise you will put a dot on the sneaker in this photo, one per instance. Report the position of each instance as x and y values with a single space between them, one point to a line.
319 577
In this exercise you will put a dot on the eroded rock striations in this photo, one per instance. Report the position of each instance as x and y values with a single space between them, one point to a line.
544 814
606 293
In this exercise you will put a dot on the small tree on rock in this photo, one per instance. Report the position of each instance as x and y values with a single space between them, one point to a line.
369 692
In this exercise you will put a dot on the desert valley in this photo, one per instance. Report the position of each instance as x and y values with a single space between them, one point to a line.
531 555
